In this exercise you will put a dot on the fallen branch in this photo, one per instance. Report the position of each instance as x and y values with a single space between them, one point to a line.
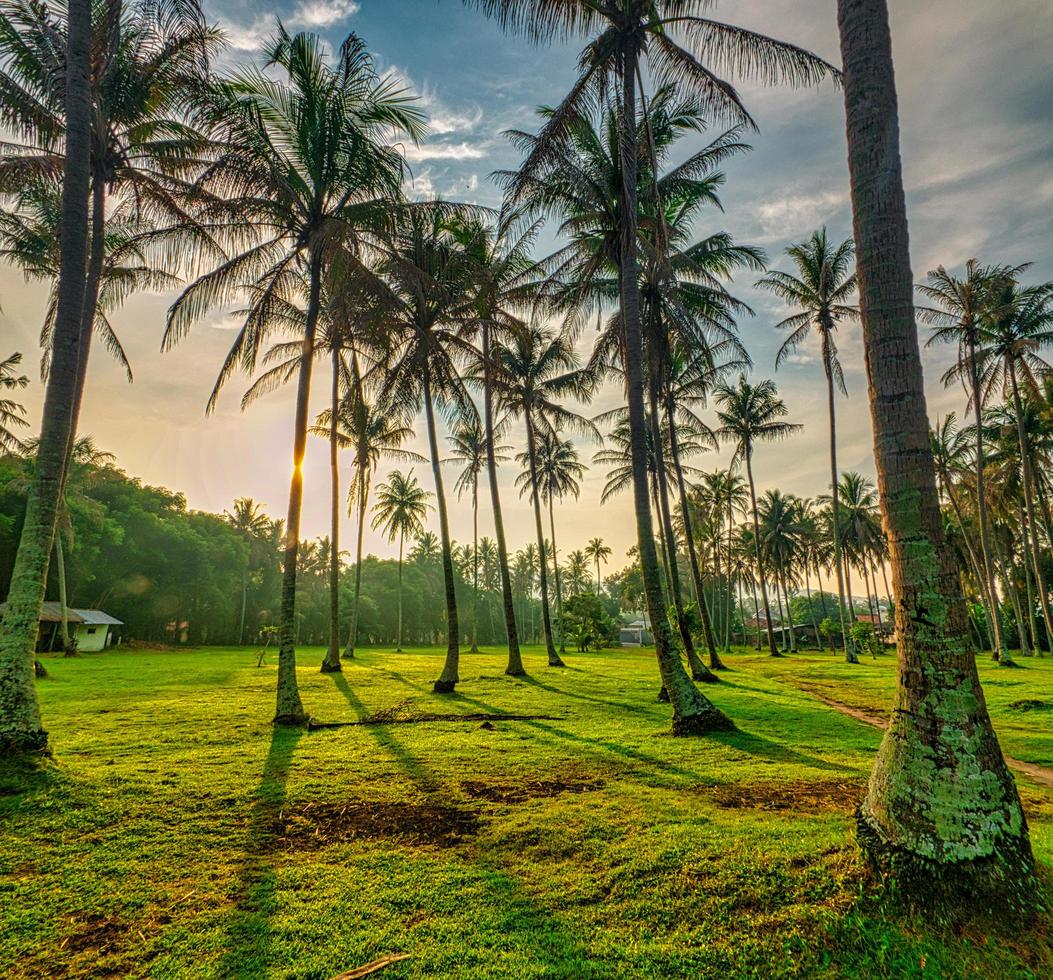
376 965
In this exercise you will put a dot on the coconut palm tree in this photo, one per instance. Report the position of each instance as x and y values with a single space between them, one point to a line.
249 520
780 531
675 40
21 729
577 572
750 414
12 413
969 844
820 292
402 504
304 169
534 371
597 551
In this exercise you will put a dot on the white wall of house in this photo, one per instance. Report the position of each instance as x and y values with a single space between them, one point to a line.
91 638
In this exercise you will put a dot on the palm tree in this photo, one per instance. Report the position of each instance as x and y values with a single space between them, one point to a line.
821 292
251 523
534 370
780 530
675 41
21 730
1017 327
470 450
12 413
401 506
303 167
577 572
941 810
959 307
750 414
597 551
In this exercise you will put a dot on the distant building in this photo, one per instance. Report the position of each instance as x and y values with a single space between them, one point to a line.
92 629
637 633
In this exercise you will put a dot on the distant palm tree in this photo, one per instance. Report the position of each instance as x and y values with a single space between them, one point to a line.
302 164
597 551
750 414
12 413
821 292
251 523
399 511
577 572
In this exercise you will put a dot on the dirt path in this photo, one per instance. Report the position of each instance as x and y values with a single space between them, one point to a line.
1040 774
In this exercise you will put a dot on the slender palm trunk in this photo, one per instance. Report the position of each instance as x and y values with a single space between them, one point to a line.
715 663
779 591
514 667
363 496
60 569
811 607
942 811
398 628
555 570
331 663
244 602
546 616
289 708
1029 590
835 503
789 614
1029 507
475 565
449 677
748 455
21 730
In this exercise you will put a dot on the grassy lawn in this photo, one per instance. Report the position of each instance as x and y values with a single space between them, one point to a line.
179 835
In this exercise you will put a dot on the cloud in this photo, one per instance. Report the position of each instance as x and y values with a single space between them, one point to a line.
444 151
307 15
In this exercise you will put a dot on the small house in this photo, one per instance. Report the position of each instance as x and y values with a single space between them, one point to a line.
92 629
636 634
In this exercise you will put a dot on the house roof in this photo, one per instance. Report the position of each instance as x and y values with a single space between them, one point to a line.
96 617
51 612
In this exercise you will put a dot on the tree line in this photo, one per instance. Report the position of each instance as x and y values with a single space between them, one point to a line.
280 189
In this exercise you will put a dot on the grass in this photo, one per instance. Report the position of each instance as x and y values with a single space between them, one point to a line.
177 834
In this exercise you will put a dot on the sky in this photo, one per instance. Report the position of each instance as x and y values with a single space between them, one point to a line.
977 142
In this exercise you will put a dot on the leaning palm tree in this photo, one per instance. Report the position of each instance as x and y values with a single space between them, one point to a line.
402 504
12 413
675 40
21 730
598 551
303 166
534 372
820 292
942 810
750 414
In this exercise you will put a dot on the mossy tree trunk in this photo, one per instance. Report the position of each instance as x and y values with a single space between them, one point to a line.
21 728
941 814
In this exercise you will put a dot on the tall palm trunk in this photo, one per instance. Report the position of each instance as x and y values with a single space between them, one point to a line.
941 811
244 602
555 570
1029 507
701 604
995 625
60 569
835 503
331 663
475 565
748 454
21 730
546 615
811 607
789 614
515 659
398 624
363 496
449 677
290 709
731 599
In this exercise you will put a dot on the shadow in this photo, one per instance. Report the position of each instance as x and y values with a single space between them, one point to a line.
249 933
632 708
764 748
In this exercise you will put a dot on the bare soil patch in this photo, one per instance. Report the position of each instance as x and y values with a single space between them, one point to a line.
310 826
801 797
526 789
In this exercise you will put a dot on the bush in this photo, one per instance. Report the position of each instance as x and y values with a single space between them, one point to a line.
865 638
587 623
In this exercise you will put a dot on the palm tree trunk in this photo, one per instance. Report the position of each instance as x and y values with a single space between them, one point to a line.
555 570
449 677
748 454
811 607
398 629
1029 507
715 663
546 616
21 730
363 494
1028 581
789 613
244 602
475 565
60 569
942 808
331 663
515 659
289 708
835 503
779 590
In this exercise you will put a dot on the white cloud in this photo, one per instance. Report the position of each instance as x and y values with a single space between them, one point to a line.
444 151
307 15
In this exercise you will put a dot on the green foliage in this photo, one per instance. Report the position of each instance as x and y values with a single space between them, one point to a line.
588 623
831 630
864 638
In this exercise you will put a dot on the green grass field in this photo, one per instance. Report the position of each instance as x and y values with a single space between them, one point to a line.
178 835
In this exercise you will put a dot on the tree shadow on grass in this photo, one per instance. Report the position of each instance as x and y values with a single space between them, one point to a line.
622 705
764 748
249 933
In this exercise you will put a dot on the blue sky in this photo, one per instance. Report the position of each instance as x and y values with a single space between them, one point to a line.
977 131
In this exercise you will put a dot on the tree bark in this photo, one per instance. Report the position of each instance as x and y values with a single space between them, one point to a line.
748 454
21 729
941 811
546 616
331 663
449 677
398 624
692 713
555 571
